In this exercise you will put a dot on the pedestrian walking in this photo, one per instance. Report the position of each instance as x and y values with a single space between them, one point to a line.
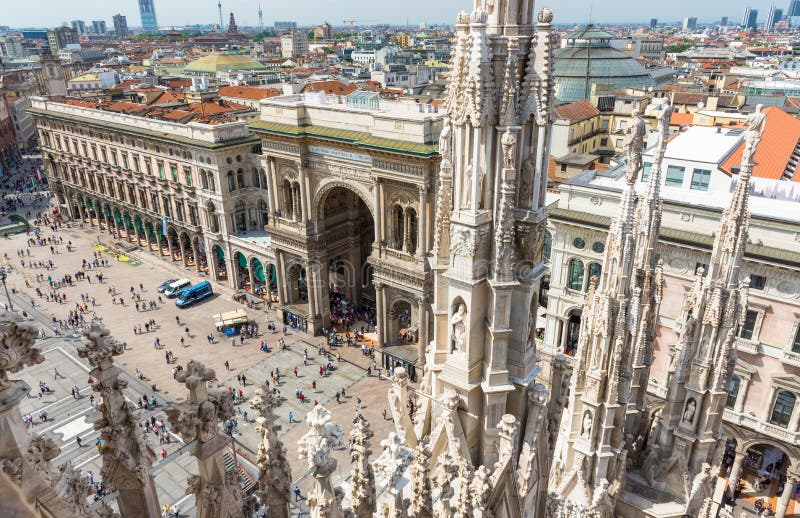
291 417
57 374
78 441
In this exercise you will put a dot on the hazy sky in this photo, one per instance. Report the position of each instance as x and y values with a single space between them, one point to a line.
38 13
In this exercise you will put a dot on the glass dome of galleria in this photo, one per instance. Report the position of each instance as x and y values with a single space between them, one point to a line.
588 58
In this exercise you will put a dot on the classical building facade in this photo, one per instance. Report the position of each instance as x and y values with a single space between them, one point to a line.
185 191
351 183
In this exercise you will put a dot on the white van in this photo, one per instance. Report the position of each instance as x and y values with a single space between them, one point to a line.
176 288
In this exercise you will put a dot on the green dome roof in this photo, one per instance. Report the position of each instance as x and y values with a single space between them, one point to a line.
223 63
589 58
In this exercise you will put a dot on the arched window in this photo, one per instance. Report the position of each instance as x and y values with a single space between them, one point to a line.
782 410
575 279
256 179
240 216
548 245
594 271
231 183
213 217
733 391
412 228
397 216
240 179
203 180
264 211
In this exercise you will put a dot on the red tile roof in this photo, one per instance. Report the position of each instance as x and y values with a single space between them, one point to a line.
682 119
330 88
248 92
576 112
781 137
170 97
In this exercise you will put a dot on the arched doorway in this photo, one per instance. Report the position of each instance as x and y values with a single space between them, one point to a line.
218 255
759 471
173 244
572 332
349 285
403 321
259 277
297 286
242 271
117 221
138 225
200 254
187 251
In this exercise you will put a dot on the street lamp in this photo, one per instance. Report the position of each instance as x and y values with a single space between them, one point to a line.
3 276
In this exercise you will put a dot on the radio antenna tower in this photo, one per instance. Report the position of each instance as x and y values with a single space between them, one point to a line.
221 23
260 19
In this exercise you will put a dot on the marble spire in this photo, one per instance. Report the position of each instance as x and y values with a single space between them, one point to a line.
315 447
126 457
274 472
687 438
617 328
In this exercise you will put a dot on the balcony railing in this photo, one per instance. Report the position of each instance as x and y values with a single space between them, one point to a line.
754 423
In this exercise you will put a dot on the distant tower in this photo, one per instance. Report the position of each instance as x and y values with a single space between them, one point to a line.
221 24
55 82
232 28
260 19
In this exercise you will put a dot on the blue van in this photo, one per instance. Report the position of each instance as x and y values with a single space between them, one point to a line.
194 294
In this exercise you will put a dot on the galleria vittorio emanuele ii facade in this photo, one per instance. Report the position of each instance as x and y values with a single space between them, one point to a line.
436 217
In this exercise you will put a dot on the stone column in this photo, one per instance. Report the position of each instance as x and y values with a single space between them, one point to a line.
743 386
313 280
786 496
378 211
211 259
303 193
422 223
197 419
297 204
422 331
271 185
380 312
183 250
196 252
280 274
736 473
252 275
770 403
126 458
169 246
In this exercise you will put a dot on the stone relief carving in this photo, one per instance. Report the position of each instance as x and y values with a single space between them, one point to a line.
462 242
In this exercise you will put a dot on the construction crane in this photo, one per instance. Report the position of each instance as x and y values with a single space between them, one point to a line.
353 23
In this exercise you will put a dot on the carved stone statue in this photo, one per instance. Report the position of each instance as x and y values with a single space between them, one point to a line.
445 138
602 504
526 182
688 414
634 144
459 323
509 143
700 491
586 428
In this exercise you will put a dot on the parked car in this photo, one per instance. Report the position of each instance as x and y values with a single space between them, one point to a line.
164 285
194 294
177 287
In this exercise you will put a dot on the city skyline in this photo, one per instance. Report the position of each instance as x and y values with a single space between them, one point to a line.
42 13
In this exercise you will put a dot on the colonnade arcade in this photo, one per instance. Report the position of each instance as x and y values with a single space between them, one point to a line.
760 467
125 224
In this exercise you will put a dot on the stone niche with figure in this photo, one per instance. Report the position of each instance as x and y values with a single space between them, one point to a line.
465 333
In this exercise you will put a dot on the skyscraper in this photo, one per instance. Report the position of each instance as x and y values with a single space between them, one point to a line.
724 21
148 12
690 23
794 8
99 26
60 37
78 26
120 25
750 18
774 16
653 23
